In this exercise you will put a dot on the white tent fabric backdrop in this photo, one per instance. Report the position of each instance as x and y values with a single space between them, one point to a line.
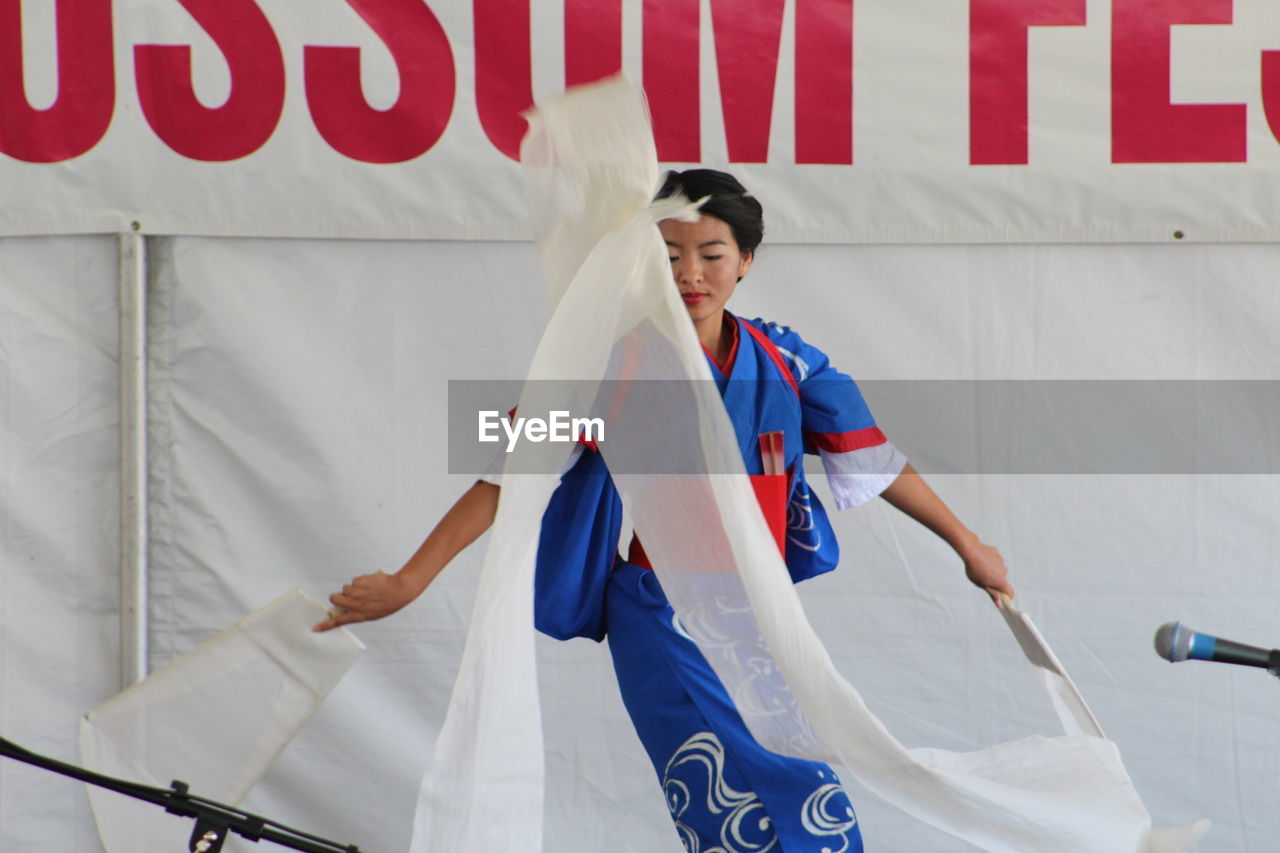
298 427
59 461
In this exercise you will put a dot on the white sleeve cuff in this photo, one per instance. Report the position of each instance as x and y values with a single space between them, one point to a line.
857 476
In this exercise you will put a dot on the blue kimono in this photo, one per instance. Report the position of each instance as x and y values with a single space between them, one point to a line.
724 791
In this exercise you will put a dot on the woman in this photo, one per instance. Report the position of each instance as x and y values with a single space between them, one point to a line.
724 791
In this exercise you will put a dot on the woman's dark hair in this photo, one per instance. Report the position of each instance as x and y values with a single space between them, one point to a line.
729 202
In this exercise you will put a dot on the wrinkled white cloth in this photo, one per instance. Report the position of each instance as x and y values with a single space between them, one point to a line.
215 718
590 172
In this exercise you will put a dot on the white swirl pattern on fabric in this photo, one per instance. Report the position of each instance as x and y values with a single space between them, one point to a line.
800 528
800 363
745 827
763 693
818 821
704 750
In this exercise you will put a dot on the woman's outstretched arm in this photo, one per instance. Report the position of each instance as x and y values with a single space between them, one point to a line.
983 564
380 594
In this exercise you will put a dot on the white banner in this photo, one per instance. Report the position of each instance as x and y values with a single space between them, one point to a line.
874 121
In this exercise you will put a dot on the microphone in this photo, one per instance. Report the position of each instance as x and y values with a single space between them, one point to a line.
1175 643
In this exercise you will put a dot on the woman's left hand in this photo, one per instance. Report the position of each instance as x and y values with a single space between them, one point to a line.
985 568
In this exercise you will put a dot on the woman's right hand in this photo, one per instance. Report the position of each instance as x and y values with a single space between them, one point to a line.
380 594
368 597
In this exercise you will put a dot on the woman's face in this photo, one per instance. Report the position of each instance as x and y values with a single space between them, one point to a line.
705 262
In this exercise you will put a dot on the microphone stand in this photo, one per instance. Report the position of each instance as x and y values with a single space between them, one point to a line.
213 821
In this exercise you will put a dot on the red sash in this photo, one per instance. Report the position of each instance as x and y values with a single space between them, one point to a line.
771 492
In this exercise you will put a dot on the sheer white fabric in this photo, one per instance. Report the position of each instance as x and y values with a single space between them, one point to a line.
215 718
493 472
483 787
591 170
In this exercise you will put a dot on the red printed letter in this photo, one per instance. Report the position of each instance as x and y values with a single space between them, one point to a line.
998 72
247 119
417 119
824 81
747 33
86 98
504 71
592 40
671 78
1145 127
1271 90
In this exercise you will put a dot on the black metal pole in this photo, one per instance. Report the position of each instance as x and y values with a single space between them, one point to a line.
214 821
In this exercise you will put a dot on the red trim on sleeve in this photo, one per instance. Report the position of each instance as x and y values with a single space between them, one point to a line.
843 442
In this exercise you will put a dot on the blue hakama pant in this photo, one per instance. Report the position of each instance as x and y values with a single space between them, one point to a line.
726 793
